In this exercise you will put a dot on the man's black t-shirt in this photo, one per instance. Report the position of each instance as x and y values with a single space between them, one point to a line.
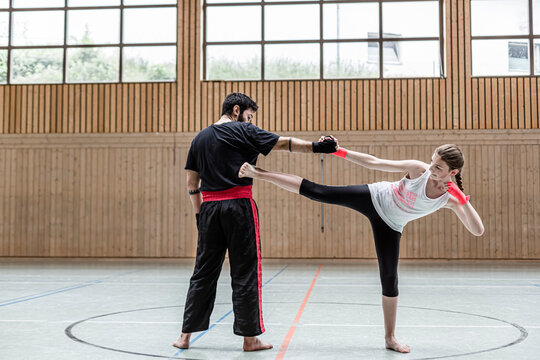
218 152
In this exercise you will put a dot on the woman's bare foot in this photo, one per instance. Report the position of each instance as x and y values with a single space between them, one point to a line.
183 341
247 170
393 344
253 343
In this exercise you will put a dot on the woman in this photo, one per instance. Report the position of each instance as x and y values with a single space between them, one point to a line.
424 189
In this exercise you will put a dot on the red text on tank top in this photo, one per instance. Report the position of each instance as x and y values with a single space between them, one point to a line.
406 197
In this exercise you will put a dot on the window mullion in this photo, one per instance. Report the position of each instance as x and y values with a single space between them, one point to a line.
321 32
442 61
121 49
64 61
263 43
10 25
205 19
381 44
531 39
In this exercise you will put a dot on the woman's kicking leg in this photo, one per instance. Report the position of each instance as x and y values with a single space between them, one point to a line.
356 197
286 181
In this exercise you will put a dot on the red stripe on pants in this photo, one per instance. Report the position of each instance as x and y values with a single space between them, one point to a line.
259 267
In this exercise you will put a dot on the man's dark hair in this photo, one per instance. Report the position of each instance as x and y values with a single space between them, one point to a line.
239 99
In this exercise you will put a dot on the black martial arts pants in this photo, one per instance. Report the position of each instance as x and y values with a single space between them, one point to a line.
233 226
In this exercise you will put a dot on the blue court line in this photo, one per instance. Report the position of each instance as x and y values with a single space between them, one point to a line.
273 277
536 285
223 317
60 290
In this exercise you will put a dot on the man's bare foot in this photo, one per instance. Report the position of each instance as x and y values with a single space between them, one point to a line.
247 170
253 343
393 344
183 341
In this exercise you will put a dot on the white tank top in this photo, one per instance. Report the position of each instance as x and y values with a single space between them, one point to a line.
399 202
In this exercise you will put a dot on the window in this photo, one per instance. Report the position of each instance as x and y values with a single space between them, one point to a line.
87 41
504 39
328 39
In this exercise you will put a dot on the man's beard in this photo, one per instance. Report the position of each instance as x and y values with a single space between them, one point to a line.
241 117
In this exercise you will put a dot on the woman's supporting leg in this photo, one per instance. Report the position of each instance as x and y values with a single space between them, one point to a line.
387 247
389 305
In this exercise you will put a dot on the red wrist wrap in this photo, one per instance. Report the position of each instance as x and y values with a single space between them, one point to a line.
341 153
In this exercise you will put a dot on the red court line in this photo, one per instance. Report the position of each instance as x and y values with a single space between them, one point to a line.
292 329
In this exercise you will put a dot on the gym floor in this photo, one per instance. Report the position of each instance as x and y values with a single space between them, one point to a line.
313 309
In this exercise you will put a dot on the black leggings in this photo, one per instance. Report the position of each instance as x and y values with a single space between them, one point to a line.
358 197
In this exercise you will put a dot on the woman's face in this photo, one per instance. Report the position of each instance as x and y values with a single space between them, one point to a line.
440 170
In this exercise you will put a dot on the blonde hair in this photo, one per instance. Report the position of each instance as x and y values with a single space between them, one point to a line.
453 156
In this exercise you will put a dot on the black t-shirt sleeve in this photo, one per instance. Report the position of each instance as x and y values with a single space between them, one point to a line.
260 140
191 162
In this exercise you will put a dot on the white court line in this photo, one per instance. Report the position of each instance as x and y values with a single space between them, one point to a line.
279 324
273 324
90 322
103 283
323 277
411 326
410 285
406 276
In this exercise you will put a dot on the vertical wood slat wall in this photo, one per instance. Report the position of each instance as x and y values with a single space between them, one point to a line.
455 102
88 108
124 196
95 196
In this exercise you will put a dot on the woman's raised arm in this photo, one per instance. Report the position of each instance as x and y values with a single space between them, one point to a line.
414 168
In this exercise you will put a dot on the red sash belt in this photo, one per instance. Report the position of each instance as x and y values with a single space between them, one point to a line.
237 192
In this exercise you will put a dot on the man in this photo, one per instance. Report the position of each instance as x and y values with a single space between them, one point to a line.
227 217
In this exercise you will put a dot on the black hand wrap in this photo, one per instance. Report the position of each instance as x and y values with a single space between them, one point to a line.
197 220
327 146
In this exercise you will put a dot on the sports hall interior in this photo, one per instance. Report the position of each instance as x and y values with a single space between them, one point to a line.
93 172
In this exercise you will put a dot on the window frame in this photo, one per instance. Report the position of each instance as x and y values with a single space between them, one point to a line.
120 45
531 37
321 41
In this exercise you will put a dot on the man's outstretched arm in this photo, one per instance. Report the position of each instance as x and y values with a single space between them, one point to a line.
328 145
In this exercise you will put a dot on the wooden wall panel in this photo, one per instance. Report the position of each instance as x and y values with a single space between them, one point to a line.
88 108
91 195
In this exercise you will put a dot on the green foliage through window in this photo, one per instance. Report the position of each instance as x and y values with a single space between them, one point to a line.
350 70
138 69
92 65
225 69
97 60
34 66
3 66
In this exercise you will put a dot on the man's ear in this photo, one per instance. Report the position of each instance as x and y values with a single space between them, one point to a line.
236 112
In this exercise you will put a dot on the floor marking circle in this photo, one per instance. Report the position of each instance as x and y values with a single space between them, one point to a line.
69 332
523 333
